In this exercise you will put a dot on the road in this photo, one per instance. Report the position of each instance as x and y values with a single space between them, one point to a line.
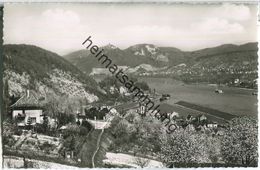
98 146
124 106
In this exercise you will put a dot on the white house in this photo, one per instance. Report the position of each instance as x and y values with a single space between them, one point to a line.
27 110
212 125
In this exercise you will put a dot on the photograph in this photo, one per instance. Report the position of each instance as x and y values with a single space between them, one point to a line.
129 85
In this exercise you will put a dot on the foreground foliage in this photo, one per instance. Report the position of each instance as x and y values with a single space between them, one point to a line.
240 142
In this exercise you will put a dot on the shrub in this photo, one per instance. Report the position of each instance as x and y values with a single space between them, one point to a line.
83 131
18 132
8 140
87 125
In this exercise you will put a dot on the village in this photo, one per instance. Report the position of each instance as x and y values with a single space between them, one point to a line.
31 133
241 76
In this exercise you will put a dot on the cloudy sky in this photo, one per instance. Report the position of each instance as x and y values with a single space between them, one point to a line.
62 28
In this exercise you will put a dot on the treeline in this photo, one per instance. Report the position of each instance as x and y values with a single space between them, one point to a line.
246 81
112 86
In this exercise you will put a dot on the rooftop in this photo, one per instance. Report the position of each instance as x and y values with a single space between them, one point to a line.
29 99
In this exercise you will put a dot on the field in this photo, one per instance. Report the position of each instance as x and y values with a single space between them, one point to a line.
235 101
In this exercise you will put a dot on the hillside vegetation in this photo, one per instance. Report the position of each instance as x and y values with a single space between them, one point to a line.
31 67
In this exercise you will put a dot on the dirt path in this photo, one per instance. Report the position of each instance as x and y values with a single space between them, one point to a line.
128 106
98 146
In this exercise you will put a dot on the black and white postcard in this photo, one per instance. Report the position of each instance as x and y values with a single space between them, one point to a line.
129 85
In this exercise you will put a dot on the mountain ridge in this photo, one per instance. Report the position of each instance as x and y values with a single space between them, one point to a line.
155 56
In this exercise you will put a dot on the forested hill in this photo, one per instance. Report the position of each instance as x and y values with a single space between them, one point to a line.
234 65
31 67
161 57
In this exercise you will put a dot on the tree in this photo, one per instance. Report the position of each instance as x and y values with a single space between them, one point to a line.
62 108
108 82
184 147
45 123
121 130
142 85
52 105
91 113
72 145
214 145
102 113
6 99
64 119
130 117
29 123
239 144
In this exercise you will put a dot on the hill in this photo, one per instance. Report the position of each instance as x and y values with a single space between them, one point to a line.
230 64
131 57
31 67
228 55
169 57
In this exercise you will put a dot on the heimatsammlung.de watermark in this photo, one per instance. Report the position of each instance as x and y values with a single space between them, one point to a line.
119 74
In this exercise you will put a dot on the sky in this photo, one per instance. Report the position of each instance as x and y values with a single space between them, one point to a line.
62 28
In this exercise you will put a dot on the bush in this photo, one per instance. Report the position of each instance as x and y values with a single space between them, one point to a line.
18 132
39 128
64 118
8 140
46 147
70 143
83 131
71 131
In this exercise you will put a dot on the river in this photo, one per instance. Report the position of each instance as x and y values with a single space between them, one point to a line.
236 101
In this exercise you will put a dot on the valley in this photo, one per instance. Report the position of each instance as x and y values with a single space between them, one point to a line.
98 123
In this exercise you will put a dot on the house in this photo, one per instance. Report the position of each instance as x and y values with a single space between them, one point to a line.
69 154
212 125
202 118
124 91
97 111
142 110
27 110
80 118
236 81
